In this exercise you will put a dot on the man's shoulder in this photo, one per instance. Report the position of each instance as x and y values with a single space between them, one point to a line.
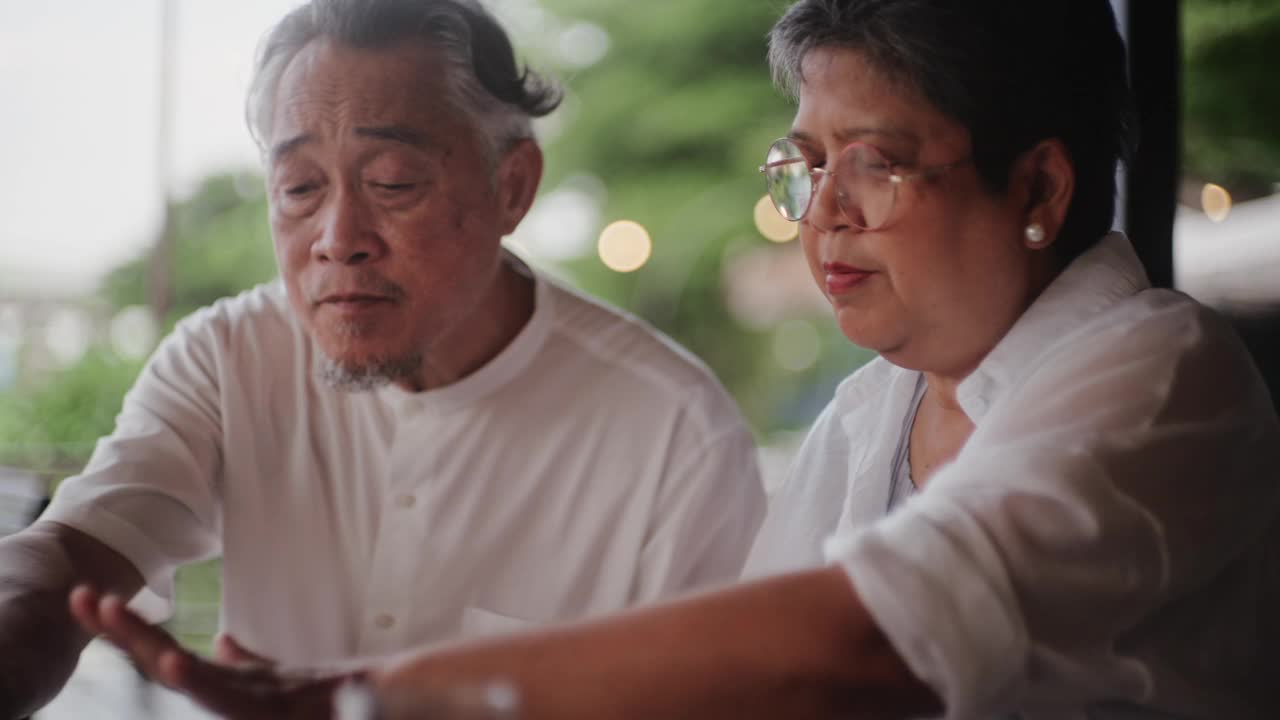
624 341
263 306
261 311
254 326
613 345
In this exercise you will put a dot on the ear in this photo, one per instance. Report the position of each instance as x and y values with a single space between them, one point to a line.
1046 181
516 180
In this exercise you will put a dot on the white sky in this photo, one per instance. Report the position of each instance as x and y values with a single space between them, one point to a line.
79 85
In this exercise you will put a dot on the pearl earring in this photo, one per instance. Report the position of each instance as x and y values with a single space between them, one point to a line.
1035 235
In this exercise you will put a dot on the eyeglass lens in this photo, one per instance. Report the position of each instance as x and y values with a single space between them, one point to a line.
864 188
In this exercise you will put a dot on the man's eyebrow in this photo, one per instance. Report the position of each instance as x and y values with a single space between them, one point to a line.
396 133
285 147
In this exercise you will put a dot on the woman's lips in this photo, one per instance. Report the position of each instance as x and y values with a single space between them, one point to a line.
842 278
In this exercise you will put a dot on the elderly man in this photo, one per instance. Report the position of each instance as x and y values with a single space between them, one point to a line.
413 437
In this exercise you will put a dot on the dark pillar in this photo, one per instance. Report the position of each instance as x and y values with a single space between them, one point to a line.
1155 63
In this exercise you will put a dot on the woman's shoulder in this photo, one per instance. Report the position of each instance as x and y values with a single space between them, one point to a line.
1157 353
1158 322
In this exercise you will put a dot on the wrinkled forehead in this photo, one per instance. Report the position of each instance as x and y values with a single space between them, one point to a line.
329 87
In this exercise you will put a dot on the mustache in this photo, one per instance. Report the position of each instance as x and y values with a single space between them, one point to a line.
365 281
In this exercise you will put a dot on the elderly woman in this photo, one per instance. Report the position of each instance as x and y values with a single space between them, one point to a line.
1055 493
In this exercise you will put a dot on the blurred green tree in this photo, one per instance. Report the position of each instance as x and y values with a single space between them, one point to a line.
222 245
51 426
675 120
1231 49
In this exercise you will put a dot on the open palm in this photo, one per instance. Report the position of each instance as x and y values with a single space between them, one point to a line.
248 689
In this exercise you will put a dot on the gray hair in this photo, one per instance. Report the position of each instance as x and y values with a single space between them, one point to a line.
1012 72
486 83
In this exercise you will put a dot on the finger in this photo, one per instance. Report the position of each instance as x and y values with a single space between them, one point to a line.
142 642
250 693
312 701
224 691
83 603
228 651
221 690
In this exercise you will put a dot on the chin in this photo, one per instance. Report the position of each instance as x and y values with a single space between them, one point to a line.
859 328
358 371
345 355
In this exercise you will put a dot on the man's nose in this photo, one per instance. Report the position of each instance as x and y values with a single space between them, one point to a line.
349 236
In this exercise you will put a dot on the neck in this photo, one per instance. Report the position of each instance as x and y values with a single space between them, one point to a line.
481 336
941 390
942 384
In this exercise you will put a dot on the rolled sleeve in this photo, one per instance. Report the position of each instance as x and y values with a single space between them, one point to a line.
1012 594
148 491
953 621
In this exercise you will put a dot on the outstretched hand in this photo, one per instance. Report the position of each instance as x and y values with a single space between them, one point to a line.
248 687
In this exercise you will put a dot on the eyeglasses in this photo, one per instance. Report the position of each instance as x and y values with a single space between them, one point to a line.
866 182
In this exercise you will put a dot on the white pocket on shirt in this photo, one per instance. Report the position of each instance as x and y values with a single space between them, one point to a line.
478 623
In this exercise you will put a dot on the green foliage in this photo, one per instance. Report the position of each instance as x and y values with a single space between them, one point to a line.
675 120
1232 107
197 597
222 245
51 426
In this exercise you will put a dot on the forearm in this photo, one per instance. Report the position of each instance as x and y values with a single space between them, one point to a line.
799 646
39 639
41 644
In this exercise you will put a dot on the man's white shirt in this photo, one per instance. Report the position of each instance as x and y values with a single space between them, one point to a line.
590 466
1107 540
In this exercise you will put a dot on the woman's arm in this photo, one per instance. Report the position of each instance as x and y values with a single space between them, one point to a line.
797 646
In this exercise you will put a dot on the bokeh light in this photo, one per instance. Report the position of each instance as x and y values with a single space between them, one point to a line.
796 345
67 336
132 332
1216 202
773 226
625 246
583 44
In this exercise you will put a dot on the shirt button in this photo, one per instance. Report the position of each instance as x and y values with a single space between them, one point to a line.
406 501
384 621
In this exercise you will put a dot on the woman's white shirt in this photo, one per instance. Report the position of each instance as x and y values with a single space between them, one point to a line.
1107 540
